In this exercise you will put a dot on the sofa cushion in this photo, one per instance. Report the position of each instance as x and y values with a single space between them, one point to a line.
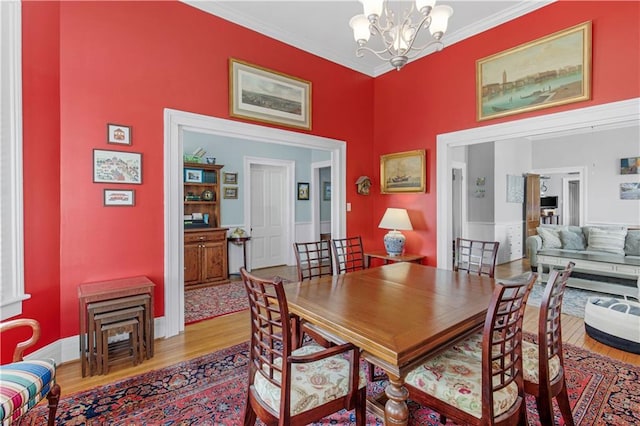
610 240
632 243
572 240
550 238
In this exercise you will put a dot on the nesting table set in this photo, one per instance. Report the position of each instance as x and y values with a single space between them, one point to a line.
115 307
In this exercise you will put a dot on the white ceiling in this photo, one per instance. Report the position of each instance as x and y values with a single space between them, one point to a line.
322 27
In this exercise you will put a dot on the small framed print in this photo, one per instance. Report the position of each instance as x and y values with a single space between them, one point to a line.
117 167
230 192
118 134
303 190
326 191
193 175
119 197
230 178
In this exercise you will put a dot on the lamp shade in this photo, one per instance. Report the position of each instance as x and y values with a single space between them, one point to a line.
395 219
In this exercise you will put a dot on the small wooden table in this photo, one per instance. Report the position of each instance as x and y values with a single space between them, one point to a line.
382 254
108 290
243 242
396 314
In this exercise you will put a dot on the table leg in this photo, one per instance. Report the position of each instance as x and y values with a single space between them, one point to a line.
396 411
83 328
244 254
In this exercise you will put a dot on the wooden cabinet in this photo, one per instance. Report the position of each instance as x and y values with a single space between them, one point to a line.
205 257
205 243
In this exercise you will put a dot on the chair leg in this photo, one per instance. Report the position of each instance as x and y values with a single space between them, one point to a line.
53 397
361 407
249 414
565 407
545 410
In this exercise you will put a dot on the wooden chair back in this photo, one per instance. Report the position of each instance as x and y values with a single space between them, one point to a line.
313 259
475 256
348 254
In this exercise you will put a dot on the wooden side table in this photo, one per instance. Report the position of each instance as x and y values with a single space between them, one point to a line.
240 241
382 254
108 290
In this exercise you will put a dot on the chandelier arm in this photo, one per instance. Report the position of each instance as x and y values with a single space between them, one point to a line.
438 43
378 53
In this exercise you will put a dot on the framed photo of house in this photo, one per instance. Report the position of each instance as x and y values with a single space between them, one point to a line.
230 192
119 197
403 172
553 70
193 175
261 94
230 178
117 167
303 190
326 191
118 134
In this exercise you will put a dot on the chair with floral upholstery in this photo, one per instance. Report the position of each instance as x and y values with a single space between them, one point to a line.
544 362
295 387
24 383
485 388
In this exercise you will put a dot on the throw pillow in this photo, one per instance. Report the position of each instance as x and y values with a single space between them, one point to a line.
550 238
572 240
610 241
632 243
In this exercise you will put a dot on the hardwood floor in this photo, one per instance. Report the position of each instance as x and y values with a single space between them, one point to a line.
211 335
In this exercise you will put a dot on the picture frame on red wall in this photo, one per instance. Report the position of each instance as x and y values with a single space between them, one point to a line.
118 134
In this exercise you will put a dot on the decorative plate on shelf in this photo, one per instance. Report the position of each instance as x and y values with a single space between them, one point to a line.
207 195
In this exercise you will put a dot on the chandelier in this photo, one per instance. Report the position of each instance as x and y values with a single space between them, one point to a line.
399 36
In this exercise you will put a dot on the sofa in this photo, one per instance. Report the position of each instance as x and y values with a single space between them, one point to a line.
608 244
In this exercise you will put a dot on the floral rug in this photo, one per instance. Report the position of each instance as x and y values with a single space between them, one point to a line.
209 302
210 390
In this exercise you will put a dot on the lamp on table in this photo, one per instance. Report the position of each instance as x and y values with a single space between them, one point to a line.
395 220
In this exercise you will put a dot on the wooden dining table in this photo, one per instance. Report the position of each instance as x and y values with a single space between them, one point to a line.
397 314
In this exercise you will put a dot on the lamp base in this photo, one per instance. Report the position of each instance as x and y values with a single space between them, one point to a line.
394 243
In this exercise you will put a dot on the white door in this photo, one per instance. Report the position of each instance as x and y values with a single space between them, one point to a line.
268 216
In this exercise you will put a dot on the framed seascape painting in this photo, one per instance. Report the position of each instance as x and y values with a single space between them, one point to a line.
550 71
403 172
264 95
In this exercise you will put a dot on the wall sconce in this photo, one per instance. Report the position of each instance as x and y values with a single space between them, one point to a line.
363 183
393 220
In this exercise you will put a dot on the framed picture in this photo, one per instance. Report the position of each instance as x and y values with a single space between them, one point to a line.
403 172
117 167
193 175
269 96
303 190
118 134
630 166
326 191
119 197
630 191
550 71
230 178
230 192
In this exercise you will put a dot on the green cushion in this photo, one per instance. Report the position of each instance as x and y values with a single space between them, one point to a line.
632 243
550 238
572 240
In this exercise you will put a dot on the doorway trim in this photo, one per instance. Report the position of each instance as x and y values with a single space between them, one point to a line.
315 197
175 123
289 198
581 176
615 114
463 199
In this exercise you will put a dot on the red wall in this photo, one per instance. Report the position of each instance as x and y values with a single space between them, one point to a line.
439 94
124 62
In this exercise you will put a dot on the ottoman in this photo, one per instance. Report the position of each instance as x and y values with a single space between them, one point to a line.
614 322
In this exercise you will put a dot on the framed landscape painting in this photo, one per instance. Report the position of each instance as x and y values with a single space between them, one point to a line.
403 172
550 71
263 95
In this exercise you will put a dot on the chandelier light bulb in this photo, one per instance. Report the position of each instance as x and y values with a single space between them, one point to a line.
440 20
360 26
372 9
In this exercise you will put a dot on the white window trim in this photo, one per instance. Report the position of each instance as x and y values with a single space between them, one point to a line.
11 202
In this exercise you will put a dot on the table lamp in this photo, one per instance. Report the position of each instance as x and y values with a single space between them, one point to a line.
395 219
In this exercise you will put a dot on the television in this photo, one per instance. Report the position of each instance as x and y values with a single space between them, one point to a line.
549 202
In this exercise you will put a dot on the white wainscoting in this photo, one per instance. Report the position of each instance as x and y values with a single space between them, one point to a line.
508 234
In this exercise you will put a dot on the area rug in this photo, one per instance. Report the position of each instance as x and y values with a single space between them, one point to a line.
210 390
209 302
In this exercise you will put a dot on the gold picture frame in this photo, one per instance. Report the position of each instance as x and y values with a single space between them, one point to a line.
268 96
403 172
553 70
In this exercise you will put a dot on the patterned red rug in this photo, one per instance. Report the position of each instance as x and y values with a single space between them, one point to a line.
210 390
209 302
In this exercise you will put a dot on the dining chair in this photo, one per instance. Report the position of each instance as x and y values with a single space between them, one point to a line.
475 256
295 387
543 362
488 388
24 383
348 254
313 259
